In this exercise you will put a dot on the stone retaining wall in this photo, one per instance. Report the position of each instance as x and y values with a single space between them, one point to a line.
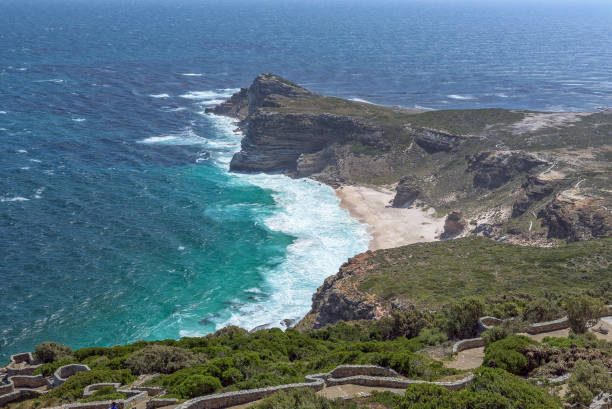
14 368
6 388
20 395
486 323
26 381
468 344
91 389
158 403
66 371
150 390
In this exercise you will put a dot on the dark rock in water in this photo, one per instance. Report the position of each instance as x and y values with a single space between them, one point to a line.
494 169
535 190
432 140
575 218
406 192
235 107
453 226
289 322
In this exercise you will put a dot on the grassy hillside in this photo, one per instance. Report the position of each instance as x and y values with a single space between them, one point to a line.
436 273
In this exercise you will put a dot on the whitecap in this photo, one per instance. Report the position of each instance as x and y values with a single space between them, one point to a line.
25 168
159 96
501 95
3 112
22 69
54 80
422 107
181 248
461 97
22 151
13 199
79 119
36 160
170 109
191 74
186 137
38 193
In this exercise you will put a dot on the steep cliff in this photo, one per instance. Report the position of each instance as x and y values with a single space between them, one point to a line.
501 169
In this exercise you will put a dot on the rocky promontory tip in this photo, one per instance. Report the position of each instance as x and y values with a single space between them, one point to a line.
503 170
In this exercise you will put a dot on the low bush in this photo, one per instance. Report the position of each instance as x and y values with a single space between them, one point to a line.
542 309
72 389
51 352
583 312
197 385
507 354
432 336
296 399
463 317
160 359
49 368
104 393
587 381
495 334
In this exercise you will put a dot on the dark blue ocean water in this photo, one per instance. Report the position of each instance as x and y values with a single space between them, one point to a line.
118 218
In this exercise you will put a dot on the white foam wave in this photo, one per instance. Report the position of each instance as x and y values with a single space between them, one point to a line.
170 109
39 192
79 119
3 112
22 151
186 137
54 80
501 95
461 97
13 199
326 236
422 107
191 74
25 168
209 95
36 160
159 96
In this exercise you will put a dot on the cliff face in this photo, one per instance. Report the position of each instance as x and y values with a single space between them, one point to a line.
502 170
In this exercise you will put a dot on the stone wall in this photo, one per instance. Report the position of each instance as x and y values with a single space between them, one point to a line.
66 371
150 390
548 326
486 323
6 388
91 389
21 364
20 395
468 344
26 381
158 403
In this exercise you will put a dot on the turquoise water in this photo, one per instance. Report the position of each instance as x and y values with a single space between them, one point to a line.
118 218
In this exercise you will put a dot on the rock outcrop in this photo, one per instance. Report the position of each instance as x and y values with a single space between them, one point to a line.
432 140
274 141
535 189
494 169
235 107
575 217
453 225
407 191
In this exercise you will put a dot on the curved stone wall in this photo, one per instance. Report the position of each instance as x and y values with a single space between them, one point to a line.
91 389
158 403
66 371
6 388
468 344
20 395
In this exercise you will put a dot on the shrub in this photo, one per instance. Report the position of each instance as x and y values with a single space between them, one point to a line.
231 376
583 312
587 381
408 323
507 354
495 334
197 385
49 368
104 393
432 336
295 399
463 317
73 387
159 358
542 309
51 352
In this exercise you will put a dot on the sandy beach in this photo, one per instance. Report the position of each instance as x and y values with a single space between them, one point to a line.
388 226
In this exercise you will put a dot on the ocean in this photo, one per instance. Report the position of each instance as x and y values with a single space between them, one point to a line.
119 219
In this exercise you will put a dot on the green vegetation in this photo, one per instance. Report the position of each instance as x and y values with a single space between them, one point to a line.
72 389
51 352
583 312
104 393
434 274
509 354
587 381
495 334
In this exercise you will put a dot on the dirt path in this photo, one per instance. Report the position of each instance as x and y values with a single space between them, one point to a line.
467 359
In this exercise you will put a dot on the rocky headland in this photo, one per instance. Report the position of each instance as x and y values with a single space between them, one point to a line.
514 176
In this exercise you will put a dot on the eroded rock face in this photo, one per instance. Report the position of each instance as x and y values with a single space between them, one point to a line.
274 141
407 191
535 189
266 86
453 226
494 169
575 218
339 299
236 107
433 141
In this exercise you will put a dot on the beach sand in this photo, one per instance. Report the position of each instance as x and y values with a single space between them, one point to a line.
388 226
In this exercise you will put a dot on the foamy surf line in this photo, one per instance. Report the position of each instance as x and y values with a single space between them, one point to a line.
326 236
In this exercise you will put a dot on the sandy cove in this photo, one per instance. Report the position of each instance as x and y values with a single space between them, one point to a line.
389 227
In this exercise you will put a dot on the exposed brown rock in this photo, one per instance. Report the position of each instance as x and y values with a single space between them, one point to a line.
453 226
407 192
494 169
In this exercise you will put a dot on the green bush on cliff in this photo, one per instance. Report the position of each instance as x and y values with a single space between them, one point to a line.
463 317
587 381
104 393
51 352
160 358
583 312
49 368
72 389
